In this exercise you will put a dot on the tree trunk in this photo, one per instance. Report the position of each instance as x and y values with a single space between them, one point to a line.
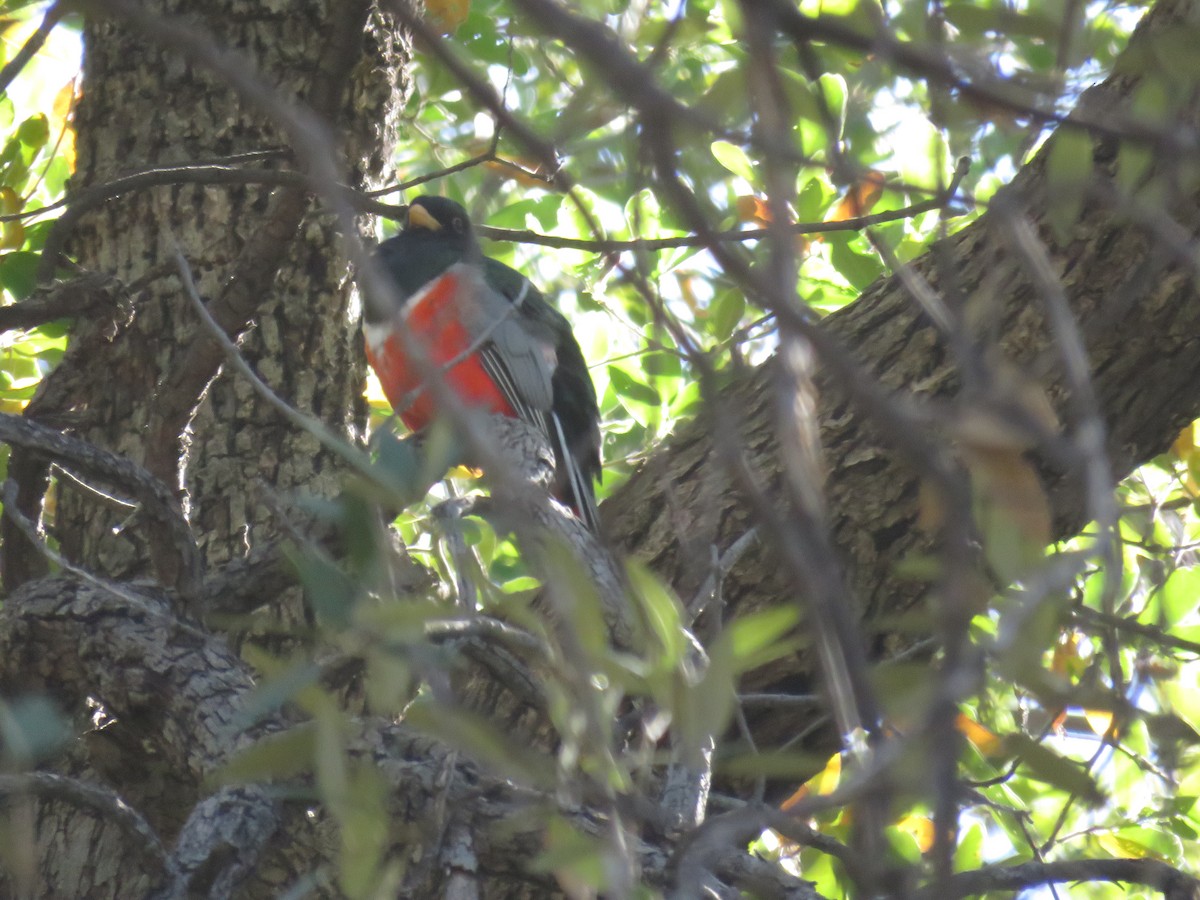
143 380
145 392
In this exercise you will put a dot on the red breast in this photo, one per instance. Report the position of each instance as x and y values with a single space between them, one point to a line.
435 323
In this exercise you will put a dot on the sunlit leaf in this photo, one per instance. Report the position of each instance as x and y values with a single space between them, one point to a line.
447 15
34 131
1053 768
984 740
1068 168
860 198
753 209
18 273
734 158
630 388
726 313
824 782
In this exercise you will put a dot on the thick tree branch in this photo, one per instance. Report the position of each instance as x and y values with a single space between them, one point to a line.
1141 316
185 697
1175 885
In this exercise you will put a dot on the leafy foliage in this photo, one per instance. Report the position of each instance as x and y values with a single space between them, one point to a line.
1082 740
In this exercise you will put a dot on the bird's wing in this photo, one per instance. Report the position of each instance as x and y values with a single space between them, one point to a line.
517 354
523 360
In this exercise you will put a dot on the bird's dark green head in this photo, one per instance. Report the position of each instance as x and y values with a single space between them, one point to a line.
436 235
439 220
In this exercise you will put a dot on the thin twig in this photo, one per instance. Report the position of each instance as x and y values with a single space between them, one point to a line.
31 46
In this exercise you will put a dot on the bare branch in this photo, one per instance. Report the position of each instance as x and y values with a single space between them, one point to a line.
82 296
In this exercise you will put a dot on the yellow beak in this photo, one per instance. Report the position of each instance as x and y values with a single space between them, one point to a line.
419 217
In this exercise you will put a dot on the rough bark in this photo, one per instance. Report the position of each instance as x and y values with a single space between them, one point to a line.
142 379
1139 313
144 105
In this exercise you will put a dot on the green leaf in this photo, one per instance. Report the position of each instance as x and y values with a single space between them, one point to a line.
330 592
734 158
283 683
32 728
726 312
484 741
661 364
1068 169
1150 105
857 268
758 637
283 755
18 273
812 200
568 850
1180 596
411 471
628 388
772 764
362 814
1053 768
833 89
661 612
34 131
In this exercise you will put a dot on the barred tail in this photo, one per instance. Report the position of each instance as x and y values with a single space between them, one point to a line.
581 496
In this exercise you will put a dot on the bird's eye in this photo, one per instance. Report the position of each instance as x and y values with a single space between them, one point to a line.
458 224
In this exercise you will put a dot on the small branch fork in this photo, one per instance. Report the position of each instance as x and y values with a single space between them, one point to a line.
175 556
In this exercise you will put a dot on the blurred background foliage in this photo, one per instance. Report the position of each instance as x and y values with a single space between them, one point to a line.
1112 770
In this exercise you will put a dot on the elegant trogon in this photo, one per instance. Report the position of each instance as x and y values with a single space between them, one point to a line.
493 336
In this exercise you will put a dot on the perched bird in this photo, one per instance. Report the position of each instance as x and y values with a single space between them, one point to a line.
500 346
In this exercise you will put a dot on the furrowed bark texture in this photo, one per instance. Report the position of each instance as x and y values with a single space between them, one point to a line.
1139 313
144 105
185 693
135 380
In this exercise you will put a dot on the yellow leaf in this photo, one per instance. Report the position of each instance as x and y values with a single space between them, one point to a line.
824 782
1099 720
687 290
10 201
921 829
1066 659
859 200
12 232
1010 507
982 739
12 235
447 15
60 121
523 172
1185 444
1124 848
753 209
